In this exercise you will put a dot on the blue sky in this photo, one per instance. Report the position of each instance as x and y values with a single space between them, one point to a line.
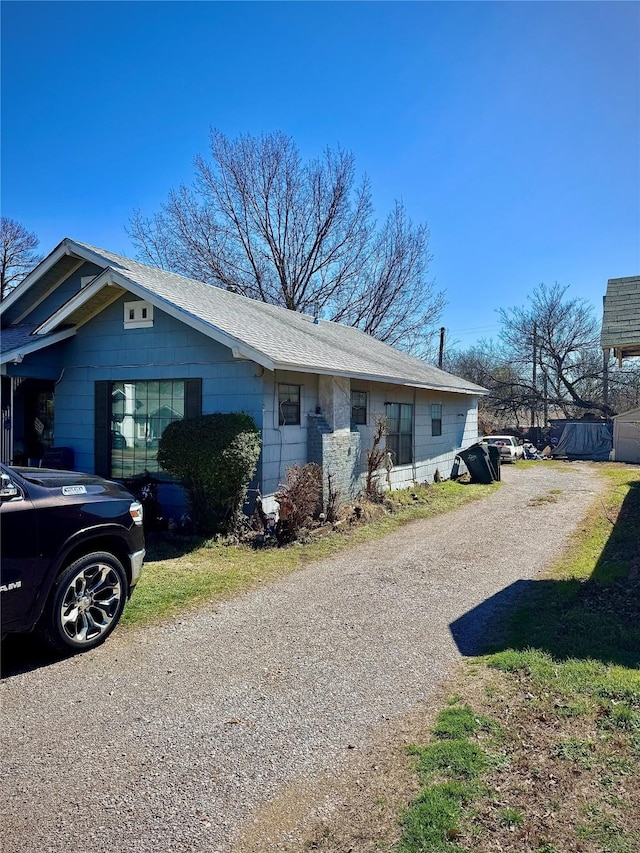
512 129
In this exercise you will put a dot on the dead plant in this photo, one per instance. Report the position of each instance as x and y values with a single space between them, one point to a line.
299 498
376 455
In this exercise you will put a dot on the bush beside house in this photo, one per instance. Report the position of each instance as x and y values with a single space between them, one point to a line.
214 456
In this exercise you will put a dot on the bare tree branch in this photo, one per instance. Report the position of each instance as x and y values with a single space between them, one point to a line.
17 254
298 234
568 358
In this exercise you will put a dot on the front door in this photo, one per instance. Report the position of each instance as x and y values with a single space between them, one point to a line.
33 420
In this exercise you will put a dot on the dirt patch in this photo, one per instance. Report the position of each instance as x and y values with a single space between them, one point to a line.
356 812
549 771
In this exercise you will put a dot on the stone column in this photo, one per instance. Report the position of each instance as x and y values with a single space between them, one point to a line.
340 445
335 401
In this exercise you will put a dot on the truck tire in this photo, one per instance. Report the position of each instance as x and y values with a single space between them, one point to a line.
85 603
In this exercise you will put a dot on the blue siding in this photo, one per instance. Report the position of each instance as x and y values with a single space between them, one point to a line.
102 349
47 363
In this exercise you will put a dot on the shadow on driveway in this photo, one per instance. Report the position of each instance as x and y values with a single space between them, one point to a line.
597 619
23 653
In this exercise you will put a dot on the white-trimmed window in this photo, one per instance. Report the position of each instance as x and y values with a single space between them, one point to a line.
359 407
138 315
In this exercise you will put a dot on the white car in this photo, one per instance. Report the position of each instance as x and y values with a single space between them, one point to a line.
510 448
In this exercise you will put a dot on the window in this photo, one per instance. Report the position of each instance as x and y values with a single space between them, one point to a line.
138 315
359 407
400 432
130 418
288 404
436 419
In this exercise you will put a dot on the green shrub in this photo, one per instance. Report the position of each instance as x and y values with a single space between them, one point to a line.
214 457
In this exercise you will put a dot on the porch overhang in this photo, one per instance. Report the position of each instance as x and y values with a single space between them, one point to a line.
622 351
15 354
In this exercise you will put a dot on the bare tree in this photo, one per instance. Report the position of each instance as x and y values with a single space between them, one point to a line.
486 364
566 346
562 334
259 220
393 300
18 257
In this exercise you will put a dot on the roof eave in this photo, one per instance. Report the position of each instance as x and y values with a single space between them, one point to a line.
65 247
44 266
373 377
76 301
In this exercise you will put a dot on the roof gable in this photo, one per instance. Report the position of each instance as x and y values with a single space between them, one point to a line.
272 336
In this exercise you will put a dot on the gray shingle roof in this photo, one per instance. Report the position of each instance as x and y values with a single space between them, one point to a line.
289 339
14 337
19 340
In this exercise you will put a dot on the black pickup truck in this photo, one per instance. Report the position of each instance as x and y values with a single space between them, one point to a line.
72 550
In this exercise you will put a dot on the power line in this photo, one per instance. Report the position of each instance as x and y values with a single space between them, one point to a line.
476 329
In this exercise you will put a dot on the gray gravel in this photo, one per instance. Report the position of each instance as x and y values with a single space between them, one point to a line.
168 739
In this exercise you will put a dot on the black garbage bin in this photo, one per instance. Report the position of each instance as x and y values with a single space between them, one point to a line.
494 459
477 460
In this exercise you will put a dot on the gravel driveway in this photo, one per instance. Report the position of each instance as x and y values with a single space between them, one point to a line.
171 738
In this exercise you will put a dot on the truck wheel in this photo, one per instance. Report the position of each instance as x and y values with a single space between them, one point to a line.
85 604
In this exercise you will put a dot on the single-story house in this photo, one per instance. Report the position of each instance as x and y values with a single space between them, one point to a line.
100 353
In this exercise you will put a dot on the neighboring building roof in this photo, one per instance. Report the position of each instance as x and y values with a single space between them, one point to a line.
621 317
630 414
272 336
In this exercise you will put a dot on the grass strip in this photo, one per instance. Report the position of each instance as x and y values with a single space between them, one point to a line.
450 769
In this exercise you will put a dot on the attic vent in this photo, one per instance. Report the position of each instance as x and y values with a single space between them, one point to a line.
138 315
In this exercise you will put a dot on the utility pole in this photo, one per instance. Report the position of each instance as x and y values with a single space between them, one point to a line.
535 374
441 353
